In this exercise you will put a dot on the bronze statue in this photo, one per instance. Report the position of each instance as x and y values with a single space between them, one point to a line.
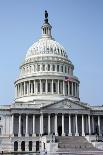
46 14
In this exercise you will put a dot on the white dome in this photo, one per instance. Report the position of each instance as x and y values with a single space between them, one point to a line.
46 75
48 46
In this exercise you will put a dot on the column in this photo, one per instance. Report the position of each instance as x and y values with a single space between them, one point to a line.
19 133
68 89
26 146
21 89
27 85
26 134
41 124
56 133
92 124
83 133
89 127
12 125
52 86
17 90
99 125
34 146
34 126
46 86
58 86
29 88
75 90
40 87
24 88
19 146
48 124
76 125
63 134
78 90
72 88
34 87
70 134
63 88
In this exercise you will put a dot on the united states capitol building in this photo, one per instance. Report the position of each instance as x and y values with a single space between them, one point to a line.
47 102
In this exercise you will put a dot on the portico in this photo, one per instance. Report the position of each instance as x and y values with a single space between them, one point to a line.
69 121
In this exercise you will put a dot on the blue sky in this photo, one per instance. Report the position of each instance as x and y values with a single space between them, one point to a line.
77 25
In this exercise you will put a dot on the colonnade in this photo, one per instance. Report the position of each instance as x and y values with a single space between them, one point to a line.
87 121
47 86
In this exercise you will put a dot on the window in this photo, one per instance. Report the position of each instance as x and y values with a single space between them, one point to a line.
68 70
43 87
70 88
48 67
43 67
57 68
61 68
61 87
0 130
38 87
65 69
26 87
49 87
53 67
38 67
34 68
30 69
54 87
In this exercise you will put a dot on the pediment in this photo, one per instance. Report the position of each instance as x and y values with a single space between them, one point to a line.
66 104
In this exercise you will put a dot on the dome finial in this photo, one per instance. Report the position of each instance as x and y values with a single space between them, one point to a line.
46 16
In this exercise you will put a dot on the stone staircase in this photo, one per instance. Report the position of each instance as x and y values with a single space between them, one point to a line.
74 143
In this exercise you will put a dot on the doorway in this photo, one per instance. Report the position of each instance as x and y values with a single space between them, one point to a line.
37 146
23 145
15 146
59 130
30 145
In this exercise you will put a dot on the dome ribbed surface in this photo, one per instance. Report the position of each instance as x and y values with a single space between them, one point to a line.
46 46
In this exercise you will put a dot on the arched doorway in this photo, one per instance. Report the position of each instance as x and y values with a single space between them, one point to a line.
30 145
59 130
15 146
23 145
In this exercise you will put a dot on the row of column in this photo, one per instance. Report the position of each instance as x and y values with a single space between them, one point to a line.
56 126
35 87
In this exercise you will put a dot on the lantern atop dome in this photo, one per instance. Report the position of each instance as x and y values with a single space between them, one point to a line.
46 28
